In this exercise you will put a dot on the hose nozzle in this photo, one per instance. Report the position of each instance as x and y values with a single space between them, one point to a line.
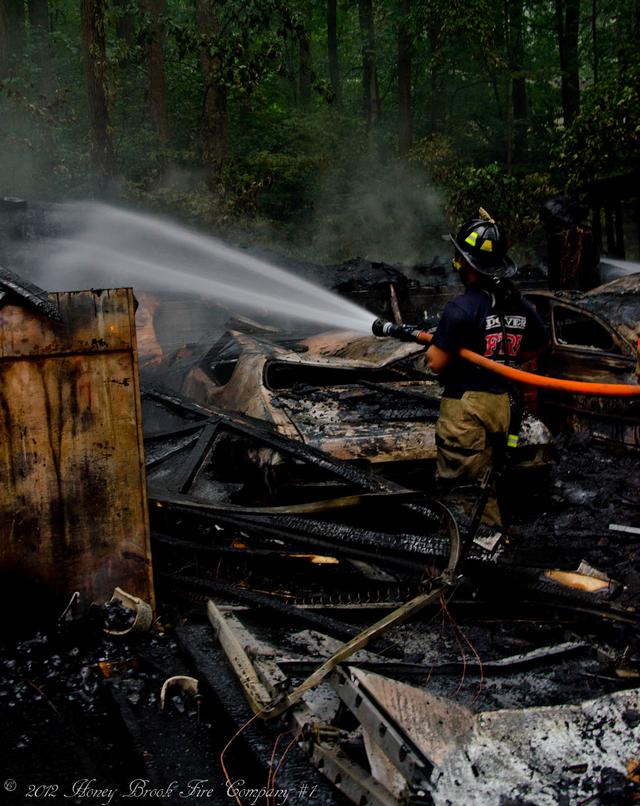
382 328
400 332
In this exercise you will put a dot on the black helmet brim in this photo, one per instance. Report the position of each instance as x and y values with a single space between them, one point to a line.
504 267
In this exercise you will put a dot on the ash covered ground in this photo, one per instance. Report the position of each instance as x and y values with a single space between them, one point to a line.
80 711
590 487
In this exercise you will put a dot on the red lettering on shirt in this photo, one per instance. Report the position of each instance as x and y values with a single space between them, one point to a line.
513 343
494 345
493 342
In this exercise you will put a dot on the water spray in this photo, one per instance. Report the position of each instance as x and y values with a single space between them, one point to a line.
156 253
415 334
159 255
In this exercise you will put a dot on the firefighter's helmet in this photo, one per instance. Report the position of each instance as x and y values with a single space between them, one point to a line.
483 244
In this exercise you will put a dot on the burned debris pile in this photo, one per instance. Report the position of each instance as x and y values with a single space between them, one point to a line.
330 626
288 585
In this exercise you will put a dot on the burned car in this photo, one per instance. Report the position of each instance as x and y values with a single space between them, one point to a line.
357 398
594 338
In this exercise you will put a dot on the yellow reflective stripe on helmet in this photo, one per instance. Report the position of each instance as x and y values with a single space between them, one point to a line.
487 246
512 441
471 238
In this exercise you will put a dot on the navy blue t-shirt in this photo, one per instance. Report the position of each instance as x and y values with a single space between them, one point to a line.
470 321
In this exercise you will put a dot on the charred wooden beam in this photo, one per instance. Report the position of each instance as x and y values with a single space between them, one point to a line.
197 456
541 656
333 535
25 291
325 624
313 542
265 434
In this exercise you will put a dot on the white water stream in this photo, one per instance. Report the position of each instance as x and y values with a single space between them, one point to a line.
115 247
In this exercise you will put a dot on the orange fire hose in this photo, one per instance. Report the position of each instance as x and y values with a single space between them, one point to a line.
541 381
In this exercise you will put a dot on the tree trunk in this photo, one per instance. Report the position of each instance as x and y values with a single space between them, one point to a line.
304 62
92 17
304 73
5 41
291 54
332 48
594 38
567 23
502 83
508 122
404 79
155 10
39 14
370 93
12 34
214 124
518 86
43 77
436 117
125 24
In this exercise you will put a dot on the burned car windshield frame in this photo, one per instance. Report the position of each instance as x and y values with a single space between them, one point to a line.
582 321
550 308
282 375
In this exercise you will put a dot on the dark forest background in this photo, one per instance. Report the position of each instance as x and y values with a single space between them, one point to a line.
329 128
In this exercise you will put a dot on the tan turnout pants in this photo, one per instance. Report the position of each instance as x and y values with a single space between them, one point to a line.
465 434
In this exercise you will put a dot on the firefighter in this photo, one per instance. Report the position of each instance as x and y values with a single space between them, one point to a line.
490 318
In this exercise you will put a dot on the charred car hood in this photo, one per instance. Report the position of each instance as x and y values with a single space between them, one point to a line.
355 397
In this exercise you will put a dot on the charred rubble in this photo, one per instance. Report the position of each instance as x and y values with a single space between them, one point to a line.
259 595
329 626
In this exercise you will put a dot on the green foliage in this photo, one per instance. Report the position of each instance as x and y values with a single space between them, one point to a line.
279 158
603 140
44 155
190 202
513 200
298 163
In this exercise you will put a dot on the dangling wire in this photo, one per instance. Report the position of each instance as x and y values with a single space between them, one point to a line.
242 728
460 636
281 762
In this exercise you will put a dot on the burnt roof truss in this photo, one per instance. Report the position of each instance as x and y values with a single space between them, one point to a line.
17 288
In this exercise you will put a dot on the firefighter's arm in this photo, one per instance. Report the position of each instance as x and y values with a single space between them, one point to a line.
437 359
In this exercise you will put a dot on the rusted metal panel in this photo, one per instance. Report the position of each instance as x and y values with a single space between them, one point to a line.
73 507
92 322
